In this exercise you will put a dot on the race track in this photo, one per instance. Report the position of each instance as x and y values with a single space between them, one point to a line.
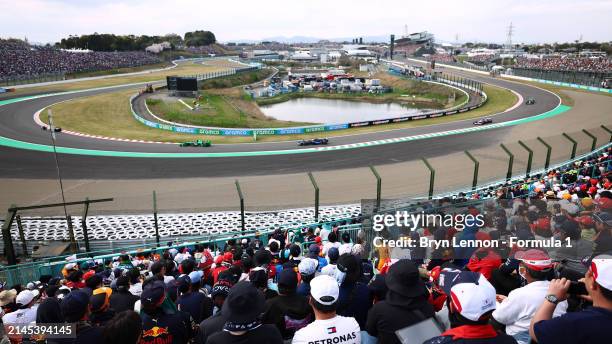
16 123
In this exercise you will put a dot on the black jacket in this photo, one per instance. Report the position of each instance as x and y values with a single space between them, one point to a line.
395 313
122 300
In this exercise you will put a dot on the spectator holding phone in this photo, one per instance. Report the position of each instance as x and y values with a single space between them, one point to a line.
591 325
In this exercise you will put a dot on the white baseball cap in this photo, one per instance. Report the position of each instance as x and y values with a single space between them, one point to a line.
25 297
324 289
601 266
470 292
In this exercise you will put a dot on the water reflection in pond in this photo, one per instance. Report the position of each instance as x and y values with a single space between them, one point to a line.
315 110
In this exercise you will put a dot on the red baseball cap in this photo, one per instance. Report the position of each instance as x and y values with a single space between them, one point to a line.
535 259
605 203
585 220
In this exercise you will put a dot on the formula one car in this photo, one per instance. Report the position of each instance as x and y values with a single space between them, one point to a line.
55 129
483 121
196 143
530 101
313 142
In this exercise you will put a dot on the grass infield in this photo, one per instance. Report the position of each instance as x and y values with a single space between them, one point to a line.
109 115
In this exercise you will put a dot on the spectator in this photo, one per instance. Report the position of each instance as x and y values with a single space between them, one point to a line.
26 309
159 324
135 281
516 310
405 303
288 311
7 301
75 309
328 327
121 299
591 325
470 301
243 308
99 302
215 323
367 269
158 269
576 250
346 246
124 328
198 305
313 252
307 269
22 60
603 239
92 282
332 259
354 299
259 278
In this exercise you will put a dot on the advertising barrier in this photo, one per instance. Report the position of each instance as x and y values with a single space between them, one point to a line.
308 129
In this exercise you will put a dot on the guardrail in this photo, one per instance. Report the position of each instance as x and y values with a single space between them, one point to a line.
217 131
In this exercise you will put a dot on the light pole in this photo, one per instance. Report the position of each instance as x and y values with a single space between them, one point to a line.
59 178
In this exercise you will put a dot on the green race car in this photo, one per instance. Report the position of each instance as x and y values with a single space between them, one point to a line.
196 143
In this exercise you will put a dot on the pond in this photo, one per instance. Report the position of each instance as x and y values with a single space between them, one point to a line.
333 111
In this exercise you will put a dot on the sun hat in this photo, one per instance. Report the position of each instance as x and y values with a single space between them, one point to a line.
403 280
243 307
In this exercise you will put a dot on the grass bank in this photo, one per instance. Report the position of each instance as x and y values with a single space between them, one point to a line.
215 111
243 78
109 115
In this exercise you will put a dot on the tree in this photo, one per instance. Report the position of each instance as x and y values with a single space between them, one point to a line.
199 38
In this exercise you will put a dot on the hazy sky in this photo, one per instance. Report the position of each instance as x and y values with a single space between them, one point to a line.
473 20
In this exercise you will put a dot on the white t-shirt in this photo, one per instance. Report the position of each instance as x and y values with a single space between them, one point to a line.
338 329
329 269
345 248
136 289
517 310
329 245
21 316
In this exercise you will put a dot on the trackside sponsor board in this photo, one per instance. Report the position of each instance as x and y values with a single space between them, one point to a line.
236 132
359 124
314 129
210 131
384 121
337 127
401 119
264 131
290 131
186 130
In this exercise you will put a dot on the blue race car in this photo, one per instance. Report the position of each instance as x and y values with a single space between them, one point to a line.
313 142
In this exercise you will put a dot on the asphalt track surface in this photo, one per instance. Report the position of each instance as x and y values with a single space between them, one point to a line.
16 123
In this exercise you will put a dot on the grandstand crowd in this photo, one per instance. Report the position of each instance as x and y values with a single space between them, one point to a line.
324 284
19 60
577 64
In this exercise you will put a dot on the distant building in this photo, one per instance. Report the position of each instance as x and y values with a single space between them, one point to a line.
410 44
158 47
